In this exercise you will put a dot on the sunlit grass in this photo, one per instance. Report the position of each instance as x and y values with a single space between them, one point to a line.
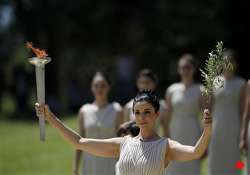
21 152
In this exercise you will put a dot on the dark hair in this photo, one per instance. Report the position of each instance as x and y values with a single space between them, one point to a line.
148 96
189 58
128 128
105 76
148 73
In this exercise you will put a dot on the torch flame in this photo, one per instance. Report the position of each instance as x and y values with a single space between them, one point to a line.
38 52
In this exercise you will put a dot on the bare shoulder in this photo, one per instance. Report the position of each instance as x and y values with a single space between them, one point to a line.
173 144
171 89
82 109
116 106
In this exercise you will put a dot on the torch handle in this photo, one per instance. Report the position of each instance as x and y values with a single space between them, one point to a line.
40 84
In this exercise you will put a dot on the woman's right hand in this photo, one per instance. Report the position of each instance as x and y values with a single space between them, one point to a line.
42 110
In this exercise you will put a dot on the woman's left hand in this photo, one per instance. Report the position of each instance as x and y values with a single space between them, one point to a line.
207 120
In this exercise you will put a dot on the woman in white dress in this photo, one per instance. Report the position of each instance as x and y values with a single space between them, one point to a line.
245 131
145 154
228 108
99 120
146 80
184 105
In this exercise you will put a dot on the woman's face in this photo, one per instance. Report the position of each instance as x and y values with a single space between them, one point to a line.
186 69
230 73
100 87
145 115
145 83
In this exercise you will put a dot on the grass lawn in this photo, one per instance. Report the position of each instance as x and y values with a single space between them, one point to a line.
21 152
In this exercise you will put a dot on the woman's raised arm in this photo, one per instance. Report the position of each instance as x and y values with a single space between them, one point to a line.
98 147
183 153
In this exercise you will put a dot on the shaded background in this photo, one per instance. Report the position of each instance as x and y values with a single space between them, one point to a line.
118 36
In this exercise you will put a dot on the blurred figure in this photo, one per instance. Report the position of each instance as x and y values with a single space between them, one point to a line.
184 104
245 131
128 128
101 120
146 80
227 112
21 88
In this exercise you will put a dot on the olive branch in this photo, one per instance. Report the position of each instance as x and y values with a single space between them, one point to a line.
215 66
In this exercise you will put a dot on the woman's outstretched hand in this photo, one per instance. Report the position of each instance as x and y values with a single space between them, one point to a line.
183 153
207 120
42 110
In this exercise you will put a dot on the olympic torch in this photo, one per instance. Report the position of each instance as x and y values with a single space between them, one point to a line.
39 62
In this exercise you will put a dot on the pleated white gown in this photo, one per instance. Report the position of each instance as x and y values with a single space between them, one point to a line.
142 157
99 123
224 149
185 124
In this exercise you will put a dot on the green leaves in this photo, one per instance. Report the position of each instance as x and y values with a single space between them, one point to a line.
215 66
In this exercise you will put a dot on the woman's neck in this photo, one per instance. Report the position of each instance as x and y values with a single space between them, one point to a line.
187 82
147 135
101 102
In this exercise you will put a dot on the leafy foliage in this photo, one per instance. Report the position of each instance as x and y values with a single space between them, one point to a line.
215 65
